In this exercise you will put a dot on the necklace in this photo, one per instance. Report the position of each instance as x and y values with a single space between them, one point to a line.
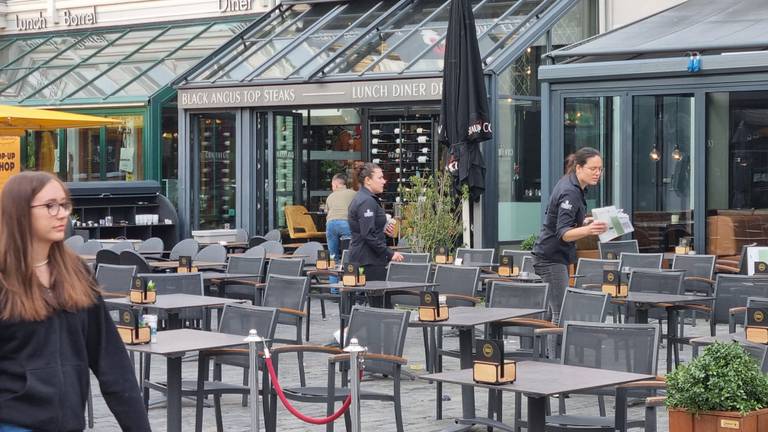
38 265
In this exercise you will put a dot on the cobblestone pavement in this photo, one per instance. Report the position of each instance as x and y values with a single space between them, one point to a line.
418 396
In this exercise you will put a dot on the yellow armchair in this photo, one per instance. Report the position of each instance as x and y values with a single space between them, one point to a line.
300 223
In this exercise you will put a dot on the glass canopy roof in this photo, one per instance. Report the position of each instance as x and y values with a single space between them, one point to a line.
107 65
362 39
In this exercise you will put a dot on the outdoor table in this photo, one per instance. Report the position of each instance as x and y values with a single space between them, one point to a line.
465 318
173 344
642 302
269 256
375 290
111 242
538 381
174 304
165 265
739 338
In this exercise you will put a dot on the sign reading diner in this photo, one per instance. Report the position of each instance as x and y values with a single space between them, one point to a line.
313 94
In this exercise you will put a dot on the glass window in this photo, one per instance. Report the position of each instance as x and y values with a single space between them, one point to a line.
519 126
522 76
169 148
42 151
123 155
214 134
662 170
737 171
83 154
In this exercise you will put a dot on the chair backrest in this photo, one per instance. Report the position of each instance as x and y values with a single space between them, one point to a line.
419 258
344 257
408 272
212 253
74 243
475 256
273 247
241 235
590 272
761 302
702 266
527 265
152 244
245 265
176 283
239 319
121 246
186 247
404 242
640 260
517 256
309 250
107 256
456 280
115 278
659 282
743 257
582 305
90 247
618 347
285 267
132 258
256 240
286 292
256 251
298 220
511 294
274 235
381 331
733 291
613 249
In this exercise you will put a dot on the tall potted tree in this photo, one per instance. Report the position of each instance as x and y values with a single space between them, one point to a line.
721 390
431 213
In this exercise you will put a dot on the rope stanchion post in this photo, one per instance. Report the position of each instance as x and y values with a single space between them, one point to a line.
354 349
253 378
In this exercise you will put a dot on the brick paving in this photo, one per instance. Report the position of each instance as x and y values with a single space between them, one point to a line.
418 396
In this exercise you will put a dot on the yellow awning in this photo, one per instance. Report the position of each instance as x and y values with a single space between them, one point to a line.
14 120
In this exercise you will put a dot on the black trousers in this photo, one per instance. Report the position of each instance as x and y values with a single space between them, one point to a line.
375 272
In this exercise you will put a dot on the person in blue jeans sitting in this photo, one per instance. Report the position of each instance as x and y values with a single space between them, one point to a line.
337 226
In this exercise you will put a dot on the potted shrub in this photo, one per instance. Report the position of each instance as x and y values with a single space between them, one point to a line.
432 213
721 390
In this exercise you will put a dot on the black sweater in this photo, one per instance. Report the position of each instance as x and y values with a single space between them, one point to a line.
44 371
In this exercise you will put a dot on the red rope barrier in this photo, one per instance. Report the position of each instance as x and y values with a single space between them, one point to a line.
294 411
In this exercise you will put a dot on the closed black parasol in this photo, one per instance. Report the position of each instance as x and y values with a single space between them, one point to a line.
464 117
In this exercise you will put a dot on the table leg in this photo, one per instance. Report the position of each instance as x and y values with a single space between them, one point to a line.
641 315
467 392
346 309
174 320
174 394
671 336
537 413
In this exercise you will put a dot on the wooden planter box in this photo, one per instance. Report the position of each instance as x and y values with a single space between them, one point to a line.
718 421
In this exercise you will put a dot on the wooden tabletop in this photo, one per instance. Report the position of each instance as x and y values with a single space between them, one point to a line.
469 316
542 379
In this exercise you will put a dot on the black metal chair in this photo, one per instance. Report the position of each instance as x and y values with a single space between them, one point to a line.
471 257
742 310
518 256
285 267
186 247
416 258
383 333
246 289
274 235
308 251
74 243
640 261
273 247
735 267
613 249
91 247
152 248
256 251
132 258
589 272
699 277
121 246
212 253
289 295
731 294
236 320
115 280
256 240
107 256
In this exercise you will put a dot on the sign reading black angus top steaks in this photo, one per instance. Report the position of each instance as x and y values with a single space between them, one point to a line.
313 94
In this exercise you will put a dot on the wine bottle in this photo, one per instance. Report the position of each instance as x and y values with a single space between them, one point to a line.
376 161
422 139
422 130
425 150
375 141
375 132
374 151
397 130
422 159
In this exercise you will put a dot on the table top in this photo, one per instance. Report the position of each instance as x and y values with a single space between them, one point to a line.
381 286
114 241
468 316
209 275
175 264
531 277
541 379
646 297
740 338
173 343
270 256
177 301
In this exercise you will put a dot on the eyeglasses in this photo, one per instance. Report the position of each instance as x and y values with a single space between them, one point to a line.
594 169
53 207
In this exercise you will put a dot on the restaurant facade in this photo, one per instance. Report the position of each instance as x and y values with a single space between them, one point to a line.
677 104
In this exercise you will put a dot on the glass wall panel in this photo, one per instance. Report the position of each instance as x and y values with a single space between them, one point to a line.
737 171
662 170
518 128
83 155
42 151
594 122
214 134
124 149
169 148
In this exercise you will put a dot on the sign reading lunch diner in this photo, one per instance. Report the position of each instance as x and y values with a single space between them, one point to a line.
407 90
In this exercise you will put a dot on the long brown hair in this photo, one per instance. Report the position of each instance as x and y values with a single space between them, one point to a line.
21 292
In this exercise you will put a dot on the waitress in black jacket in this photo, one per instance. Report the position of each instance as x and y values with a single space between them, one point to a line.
565 222
368 224
54 326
